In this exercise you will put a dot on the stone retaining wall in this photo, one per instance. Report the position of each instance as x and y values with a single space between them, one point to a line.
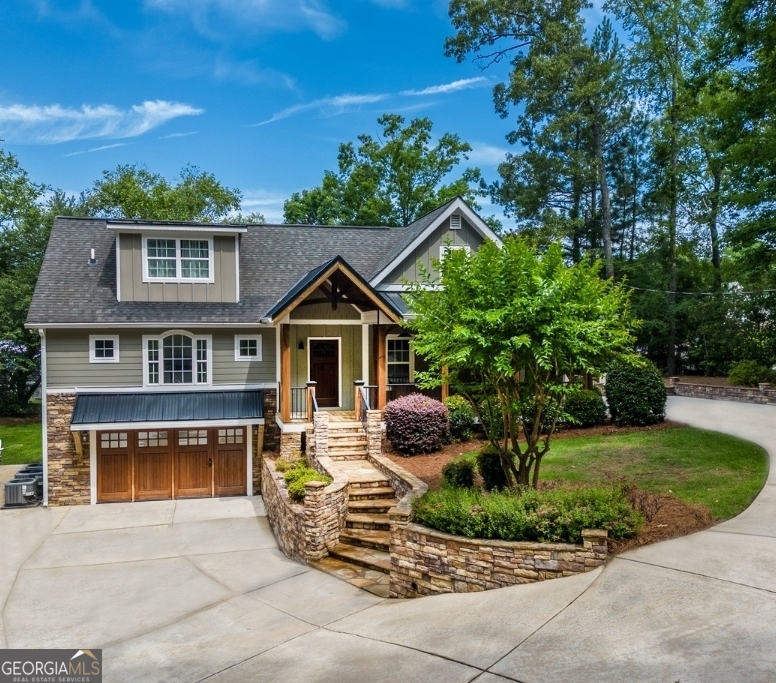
68 480
304 531
765 394
429 562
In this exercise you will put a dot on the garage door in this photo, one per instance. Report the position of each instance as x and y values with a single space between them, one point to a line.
173 463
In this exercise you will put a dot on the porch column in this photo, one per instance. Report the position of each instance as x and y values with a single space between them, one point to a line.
365 353
382 367
285 373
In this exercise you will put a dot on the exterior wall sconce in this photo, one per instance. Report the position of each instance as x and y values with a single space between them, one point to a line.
301 345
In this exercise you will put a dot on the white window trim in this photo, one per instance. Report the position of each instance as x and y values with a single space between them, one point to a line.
238 338
194 338
412 358
444 249
112 337
339 363
178 278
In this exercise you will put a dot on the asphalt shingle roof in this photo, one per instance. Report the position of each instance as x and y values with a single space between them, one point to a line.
272 259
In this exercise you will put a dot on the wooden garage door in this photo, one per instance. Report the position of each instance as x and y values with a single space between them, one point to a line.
114 466
163 464
230 461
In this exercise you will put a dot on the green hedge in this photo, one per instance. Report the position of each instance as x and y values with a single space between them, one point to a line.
552 516
749 373
298 475
587 407
459 474
635 392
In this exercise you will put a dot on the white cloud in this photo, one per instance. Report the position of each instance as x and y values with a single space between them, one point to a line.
327 106
178 135
98 149
268 203
55 123
483 153
446 88
220 18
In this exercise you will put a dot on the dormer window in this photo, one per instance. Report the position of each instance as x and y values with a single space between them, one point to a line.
168 259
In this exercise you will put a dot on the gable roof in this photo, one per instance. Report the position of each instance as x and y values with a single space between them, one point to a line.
274 259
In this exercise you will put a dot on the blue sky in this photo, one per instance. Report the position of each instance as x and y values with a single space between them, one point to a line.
260 92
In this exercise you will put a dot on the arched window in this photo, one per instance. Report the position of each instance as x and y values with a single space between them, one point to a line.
176 357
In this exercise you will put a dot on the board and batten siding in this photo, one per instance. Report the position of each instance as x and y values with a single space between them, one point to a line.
68 366
429 248
350 351
325 311
223 289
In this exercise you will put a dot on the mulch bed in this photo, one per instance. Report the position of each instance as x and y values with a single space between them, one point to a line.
11 421
700 379
666 516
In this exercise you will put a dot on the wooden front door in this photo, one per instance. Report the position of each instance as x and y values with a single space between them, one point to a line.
114 466
231 443
324 371
193 463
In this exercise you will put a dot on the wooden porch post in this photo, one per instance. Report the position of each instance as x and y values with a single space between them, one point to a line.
382 367
285 373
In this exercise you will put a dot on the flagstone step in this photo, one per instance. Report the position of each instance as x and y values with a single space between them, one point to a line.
367 578
371 493
369 558
367 521
379 505
378 539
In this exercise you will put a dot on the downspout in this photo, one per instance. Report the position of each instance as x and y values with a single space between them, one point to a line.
44 413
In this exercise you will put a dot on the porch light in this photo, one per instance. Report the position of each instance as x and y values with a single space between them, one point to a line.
301 345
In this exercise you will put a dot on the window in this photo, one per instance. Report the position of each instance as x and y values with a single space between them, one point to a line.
455 222
447 248
177 358
192 437
103 348
113 439
151 439
177 260
399 360
226 436
247 348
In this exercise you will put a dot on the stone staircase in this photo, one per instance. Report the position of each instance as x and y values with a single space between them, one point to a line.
361 557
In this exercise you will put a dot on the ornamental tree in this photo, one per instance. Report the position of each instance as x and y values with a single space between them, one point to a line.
506 327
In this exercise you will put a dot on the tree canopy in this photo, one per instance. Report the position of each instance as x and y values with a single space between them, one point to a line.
507 327
390 180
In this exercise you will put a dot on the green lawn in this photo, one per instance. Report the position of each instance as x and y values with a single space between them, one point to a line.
21 443
720 472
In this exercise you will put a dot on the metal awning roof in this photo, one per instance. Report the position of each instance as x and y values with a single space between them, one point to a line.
167 406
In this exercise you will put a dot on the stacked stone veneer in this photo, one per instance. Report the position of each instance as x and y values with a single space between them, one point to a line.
68 480
428 562
304 531
271 430
765 394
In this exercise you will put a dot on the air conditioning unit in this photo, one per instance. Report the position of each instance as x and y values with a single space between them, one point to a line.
21 492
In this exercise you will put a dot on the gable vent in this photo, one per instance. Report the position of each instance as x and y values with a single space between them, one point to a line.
455 222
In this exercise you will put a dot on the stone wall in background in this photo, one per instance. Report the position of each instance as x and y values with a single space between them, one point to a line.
764 394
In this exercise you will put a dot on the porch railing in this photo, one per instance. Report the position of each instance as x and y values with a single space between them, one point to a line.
398 390
299 403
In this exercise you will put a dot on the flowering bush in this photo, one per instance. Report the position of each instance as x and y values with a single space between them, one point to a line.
416 424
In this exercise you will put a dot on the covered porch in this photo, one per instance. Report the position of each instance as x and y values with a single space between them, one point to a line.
339 340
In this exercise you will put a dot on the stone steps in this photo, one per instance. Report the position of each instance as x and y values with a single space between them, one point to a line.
367 521
377 539
363 557
372 493
376 505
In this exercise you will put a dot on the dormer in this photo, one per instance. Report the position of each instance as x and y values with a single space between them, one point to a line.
177 262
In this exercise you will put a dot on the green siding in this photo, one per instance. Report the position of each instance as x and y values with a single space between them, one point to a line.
324 311
134 289
67 359
350 351
429 249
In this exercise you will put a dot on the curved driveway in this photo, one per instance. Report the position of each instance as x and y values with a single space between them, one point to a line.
197 590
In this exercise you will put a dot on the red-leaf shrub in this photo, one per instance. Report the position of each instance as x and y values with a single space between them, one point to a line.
416 424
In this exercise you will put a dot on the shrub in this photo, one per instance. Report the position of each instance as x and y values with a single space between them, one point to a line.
459 474
416 424
461 417
749 373
587 407
635 392
556 515
490 416
283 464
298 475
490 469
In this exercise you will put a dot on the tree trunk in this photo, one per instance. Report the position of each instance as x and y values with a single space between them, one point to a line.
713 218
606 209
672 223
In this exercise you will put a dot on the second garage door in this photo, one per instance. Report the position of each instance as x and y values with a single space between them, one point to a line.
172 463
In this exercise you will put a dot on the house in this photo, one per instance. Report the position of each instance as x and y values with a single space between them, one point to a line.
172 353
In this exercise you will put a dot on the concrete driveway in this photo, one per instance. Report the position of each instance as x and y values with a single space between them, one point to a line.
194 590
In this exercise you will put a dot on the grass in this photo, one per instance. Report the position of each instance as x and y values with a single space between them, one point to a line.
720 472
22 443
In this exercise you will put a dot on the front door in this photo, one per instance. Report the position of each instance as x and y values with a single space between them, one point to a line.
324 371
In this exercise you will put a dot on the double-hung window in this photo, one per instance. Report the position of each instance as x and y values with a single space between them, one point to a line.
177 358
399 360
178 260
